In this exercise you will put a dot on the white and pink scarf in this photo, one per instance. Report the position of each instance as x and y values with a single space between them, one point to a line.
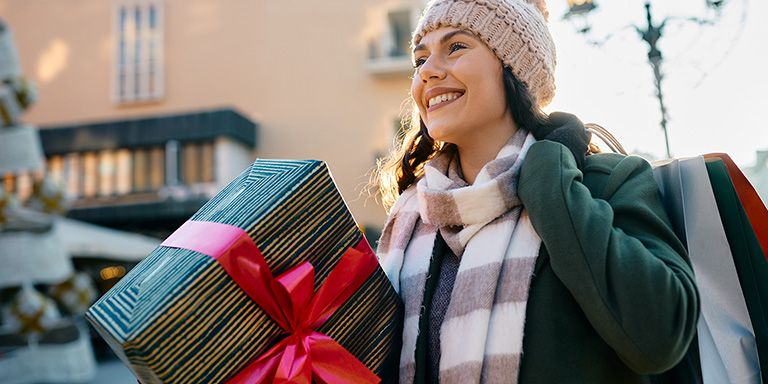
486 226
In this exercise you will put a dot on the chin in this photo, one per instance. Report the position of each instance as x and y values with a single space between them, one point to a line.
439 133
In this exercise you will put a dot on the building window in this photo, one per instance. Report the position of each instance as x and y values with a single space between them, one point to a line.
56 169
107 172
206 153
123 171
138 35
140 170
389 49
19 184
157 168
400 30
123 164
9 182
73 174
90 174
197 163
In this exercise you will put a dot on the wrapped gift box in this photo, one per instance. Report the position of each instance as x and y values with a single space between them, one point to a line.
180 317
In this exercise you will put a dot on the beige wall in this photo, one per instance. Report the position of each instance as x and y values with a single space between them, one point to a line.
296 67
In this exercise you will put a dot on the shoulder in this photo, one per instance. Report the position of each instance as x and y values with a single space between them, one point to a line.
604 173
607 174
608 163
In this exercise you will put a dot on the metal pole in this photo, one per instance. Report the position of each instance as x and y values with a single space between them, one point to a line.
651 36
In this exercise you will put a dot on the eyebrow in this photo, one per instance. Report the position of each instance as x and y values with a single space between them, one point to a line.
445 38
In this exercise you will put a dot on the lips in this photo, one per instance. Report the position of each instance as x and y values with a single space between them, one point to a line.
443 103
442 96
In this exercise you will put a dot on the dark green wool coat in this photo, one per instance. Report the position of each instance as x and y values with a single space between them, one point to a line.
613 298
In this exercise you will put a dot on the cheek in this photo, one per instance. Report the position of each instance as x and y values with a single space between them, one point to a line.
421 109
416 94
499 98
482 82
489 96
486 99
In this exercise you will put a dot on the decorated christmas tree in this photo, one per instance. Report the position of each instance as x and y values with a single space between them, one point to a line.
42 335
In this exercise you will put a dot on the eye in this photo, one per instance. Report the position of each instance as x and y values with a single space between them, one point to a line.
452 48
455 47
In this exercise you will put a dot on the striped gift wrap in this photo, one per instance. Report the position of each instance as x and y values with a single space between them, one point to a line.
178 317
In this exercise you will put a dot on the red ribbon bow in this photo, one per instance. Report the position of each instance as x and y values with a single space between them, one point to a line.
291 302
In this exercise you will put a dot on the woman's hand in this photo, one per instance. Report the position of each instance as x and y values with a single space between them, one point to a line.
569 131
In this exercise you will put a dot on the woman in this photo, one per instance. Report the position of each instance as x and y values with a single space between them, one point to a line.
518 257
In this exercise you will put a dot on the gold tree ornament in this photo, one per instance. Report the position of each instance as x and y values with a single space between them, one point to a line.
48 196
75 294
31 312
4 202
25 90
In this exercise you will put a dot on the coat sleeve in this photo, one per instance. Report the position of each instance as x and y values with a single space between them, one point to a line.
616 254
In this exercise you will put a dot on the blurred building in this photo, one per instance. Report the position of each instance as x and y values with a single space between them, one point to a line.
148 174
148 107
758 174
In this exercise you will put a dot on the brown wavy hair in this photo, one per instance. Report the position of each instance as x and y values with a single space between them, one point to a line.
404 164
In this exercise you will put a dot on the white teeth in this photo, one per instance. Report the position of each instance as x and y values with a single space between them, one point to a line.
443 98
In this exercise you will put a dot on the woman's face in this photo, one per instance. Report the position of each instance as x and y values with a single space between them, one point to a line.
458 87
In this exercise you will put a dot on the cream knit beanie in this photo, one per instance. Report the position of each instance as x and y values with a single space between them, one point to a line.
515 30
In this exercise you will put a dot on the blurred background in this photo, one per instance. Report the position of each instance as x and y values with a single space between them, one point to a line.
121 118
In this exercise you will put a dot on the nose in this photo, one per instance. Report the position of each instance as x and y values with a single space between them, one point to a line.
432 68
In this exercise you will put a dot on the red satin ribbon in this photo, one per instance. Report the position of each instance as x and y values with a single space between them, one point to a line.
291 302
757 214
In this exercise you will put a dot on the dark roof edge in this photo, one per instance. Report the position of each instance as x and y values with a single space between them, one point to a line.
148 131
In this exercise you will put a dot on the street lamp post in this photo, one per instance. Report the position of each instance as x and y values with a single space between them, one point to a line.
651 33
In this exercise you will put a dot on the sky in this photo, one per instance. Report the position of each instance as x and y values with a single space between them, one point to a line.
715 77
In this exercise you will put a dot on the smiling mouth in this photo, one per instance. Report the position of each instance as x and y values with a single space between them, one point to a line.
443 100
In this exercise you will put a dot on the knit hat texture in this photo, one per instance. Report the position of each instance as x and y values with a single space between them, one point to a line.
515 30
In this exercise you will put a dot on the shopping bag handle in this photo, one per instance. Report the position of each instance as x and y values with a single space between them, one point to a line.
606 137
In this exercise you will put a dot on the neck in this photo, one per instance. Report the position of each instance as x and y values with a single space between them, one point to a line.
475 154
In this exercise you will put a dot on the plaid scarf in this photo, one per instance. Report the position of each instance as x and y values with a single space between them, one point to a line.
485 225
